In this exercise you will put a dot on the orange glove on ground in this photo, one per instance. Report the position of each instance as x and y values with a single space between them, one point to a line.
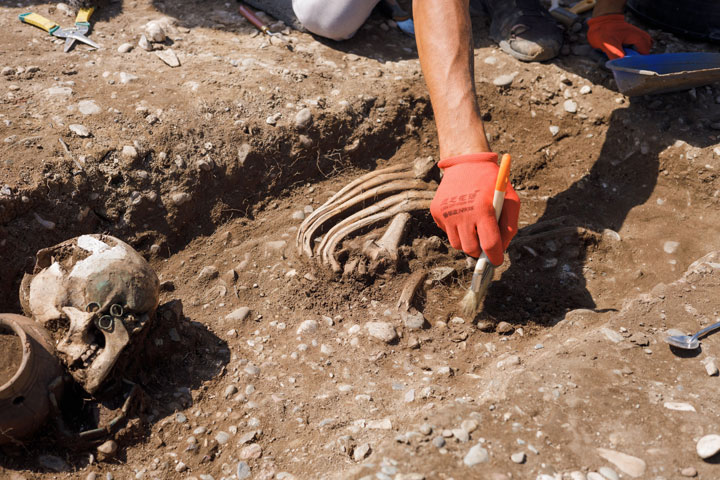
610 32
463 208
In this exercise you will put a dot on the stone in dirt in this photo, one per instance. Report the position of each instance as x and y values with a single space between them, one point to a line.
129 152
475 455
252 451
88 107
307 327
238 315
382 331
384 424
708 446
107 450
303 119
504 80
168 56
608 473
361 451
243 471
413 321
633 466
570 106
710 366
518 457
125 47
79 130
689 472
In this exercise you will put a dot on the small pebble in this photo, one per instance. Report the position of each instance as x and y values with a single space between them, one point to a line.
608 473
708 446
125 48
382 331
79 130
504 80
475 455
570 106
518 457
303 119
438 441
689 472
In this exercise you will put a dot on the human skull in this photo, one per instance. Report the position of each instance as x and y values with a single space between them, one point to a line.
97 295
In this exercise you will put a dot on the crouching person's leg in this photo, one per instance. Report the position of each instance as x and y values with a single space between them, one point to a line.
333 19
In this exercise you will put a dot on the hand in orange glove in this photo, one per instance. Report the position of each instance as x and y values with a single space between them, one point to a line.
610 32
463 208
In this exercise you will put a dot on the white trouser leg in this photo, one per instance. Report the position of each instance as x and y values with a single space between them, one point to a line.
334 19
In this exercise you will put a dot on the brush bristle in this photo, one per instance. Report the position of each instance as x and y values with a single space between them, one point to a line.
469 303
472 299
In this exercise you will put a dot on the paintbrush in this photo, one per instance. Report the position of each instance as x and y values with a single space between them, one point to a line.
484 270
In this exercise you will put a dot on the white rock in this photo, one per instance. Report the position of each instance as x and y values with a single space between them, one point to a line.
671 246
59 91
518 457
238 315
629 465
608 473
243 471
125 47
180 198
79 130
168 56
126 78
129 152
710 366
307 327
612 335
155 32
361 451
504 80
708 446
554 130
570 106
595 476
303 119
577 475
585 89
382 331
384 424
475 455
679 406
88 107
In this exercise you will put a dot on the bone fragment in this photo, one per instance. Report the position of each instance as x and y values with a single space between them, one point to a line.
410 289
390 241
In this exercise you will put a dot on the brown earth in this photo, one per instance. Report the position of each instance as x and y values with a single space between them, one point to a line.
589 287
10 356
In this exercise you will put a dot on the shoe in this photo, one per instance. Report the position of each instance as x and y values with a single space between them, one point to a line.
523 29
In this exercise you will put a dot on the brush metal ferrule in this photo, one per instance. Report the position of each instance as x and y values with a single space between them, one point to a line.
480 277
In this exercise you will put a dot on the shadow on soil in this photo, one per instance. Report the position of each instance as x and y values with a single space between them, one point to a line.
549 259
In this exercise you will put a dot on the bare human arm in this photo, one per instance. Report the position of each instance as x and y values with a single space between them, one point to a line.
462 206
443 33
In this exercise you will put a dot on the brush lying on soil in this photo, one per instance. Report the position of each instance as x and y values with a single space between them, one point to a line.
484 270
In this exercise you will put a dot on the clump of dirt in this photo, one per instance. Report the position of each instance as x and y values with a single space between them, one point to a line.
10 356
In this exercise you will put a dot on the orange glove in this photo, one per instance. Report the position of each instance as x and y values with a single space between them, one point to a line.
610 32
463 208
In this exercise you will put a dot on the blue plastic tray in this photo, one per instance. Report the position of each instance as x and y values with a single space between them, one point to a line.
666 72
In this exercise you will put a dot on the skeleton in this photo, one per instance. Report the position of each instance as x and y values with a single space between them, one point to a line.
97 295
396 191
